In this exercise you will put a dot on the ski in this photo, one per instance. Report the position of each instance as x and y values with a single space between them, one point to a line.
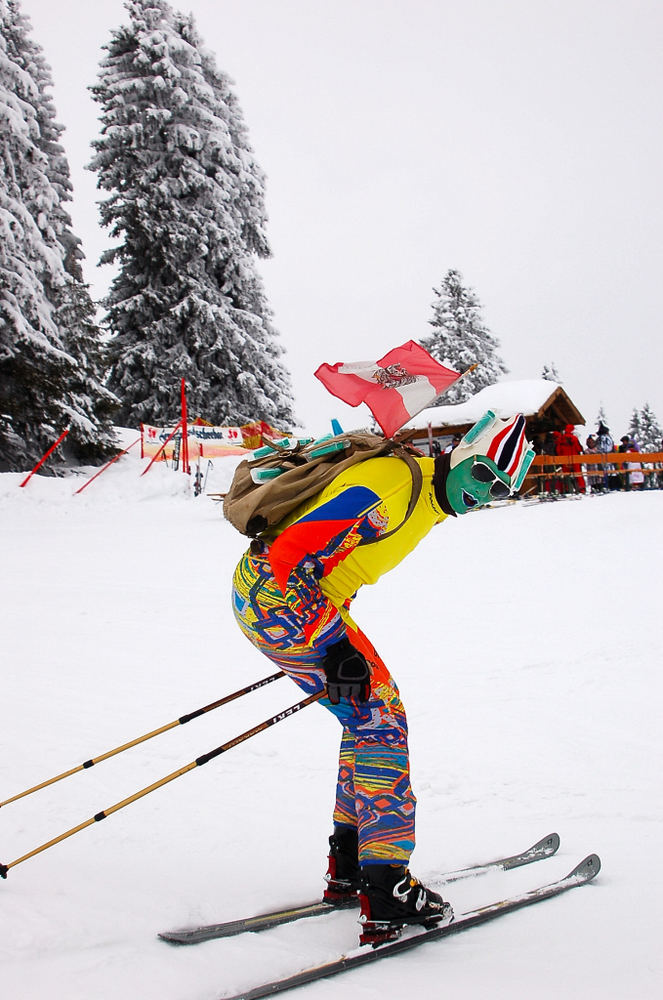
544 848
583 873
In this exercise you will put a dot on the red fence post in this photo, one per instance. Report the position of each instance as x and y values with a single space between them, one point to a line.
185 439
156 457
106 466
44 457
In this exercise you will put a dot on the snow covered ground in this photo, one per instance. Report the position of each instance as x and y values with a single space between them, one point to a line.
527 643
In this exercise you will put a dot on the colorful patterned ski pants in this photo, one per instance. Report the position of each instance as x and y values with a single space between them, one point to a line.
373 791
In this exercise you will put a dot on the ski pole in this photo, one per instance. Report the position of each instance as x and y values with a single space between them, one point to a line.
198 762
209 466
148 736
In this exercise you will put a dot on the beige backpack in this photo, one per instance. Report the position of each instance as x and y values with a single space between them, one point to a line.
282 475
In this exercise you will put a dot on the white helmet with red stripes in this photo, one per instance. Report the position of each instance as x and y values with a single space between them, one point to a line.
502 441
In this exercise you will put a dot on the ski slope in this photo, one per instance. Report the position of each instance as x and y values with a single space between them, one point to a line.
527 644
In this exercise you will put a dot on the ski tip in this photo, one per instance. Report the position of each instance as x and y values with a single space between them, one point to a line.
544 848
587 869
172 937
549 845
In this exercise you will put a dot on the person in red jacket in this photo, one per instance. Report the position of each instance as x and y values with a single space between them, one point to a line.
568 444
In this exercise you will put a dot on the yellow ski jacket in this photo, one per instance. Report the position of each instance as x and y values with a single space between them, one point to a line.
333 534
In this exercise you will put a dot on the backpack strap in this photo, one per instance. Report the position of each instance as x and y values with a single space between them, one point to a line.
417 483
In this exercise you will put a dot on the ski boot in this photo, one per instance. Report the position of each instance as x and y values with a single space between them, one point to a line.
343 872
390 897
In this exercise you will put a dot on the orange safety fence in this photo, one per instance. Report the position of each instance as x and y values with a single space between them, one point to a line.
575 473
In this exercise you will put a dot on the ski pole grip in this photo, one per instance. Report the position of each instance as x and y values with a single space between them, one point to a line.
3 870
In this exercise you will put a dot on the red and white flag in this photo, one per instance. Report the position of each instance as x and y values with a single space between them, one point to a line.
395 388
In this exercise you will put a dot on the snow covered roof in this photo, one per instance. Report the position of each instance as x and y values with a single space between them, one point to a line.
532 397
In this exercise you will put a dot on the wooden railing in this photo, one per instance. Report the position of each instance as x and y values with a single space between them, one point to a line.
566 473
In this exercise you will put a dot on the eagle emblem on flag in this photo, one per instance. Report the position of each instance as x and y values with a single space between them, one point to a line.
393 376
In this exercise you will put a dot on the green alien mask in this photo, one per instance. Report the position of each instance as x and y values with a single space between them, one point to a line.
489 463
474 482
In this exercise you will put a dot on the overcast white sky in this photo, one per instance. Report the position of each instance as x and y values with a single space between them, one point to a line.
518 141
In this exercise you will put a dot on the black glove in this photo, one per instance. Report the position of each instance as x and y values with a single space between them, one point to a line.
347 672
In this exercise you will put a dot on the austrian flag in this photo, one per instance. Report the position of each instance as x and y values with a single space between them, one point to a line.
395 388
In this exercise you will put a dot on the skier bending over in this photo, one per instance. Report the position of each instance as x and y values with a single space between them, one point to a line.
291 598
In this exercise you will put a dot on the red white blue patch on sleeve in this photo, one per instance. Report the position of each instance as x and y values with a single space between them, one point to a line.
311 534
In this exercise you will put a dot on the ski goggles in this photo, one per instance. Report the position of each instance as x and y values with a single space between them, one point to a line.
482 473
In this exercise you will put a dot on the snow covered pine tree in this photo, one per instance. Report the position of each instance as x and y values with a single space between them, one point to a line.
187 198
645 429
550 373
461 339
50 355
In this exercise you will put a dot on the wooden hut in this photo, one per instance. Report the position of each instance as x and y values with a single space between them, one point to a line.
545 405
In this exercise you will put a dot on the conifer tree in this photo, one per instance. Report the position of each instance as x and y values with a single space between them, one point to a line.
650 435
49 377
601 417
550 373
186 201
634 427
460 339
